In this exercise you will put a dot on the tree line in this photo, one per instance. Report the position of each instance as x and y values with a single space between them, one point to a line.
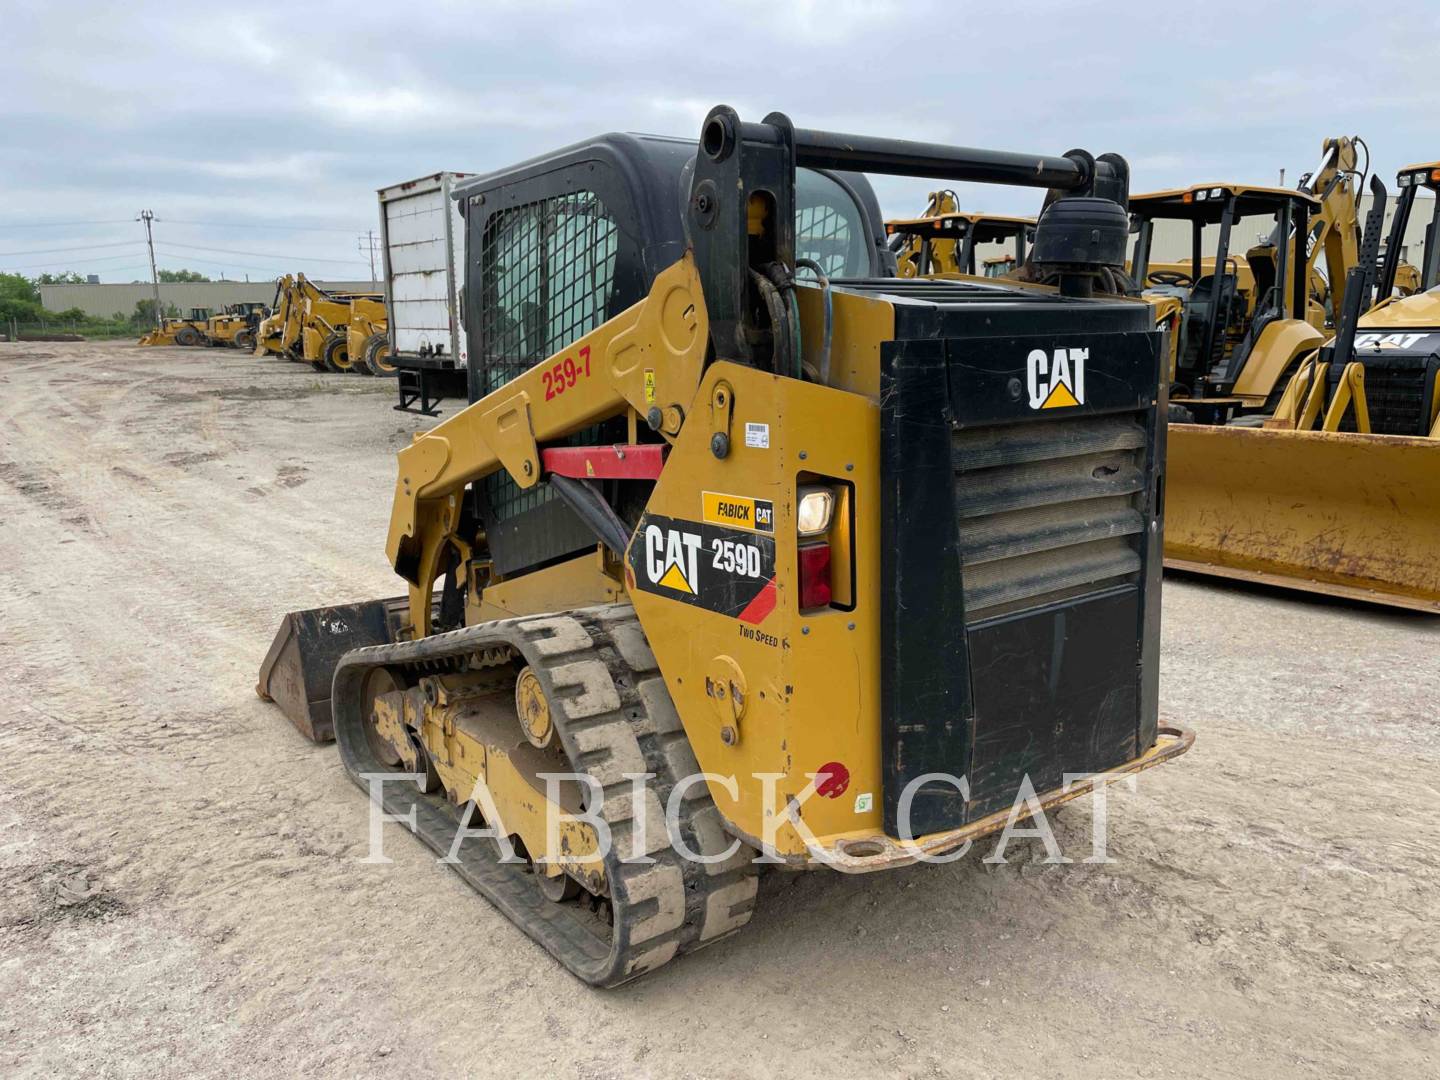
20 301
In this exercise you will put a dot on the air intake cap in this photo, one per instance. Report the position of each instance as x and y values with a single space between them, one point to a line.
1076 238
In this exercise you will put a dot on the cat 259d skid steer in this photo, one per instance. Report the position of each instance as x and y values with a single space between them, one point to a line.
747 545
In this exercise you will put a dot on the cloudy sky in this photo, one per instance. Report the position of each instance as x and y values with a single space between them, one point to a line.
258 132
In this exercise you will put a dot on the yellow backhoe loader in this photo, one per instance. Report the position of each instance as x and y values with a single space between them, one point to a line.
1339 491
325 325
1000 266
1241 332
279 329
187 331
755 547
907 248
236 326
311 325
949 242
367 339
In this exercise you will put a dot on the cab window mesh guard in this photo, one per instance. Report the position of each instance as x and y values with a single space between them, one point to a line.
546 271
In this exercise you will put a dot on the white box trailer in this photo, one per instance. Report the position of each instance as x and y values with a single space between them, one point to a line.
422 239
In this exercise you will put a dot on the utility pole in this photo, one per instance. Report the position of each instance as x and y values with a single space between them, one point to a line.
366 244
147 217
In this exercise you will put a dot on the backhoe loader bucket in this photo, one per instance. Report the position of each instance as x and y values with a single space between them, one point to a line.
158 337
1354 516
300 666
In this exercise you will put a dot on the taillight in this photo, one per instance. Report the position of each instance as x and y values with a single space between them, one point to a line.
814 575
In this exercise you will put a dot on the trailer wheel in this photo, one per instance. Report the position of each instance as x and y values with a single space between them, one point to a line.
335 353
376 356
187 335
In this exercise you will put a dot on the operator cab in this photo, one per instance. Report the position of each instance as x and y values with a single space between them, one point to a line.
1410 180
557 245
966 231
1227 299
1396 342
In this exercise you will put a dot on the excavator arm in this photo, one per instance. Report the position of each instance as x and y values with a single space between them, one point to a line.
1335 230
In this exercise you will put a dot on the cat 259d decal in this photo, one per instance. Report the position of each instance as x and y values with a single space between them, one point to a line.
722 570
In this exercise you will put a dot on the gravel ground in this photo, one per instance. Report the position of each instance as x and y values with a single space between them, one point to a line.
180 885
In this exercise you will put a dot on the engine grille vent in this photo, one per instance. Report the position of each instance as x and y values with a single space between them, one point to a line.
1398 395
1048 510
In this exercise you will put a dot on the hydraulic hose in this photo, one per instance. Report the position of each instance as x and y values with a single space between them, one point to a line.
829 301
783 352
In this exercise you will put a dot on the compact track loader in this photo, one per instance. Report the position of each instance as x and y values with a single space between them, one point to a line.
1339 492
747 545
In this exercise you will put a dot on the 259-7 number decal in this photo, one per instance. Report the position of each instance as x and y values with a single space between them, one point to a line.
565 374
735 557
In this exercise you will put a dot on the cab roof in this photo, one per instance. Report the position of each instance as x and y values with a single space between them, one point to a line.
1423 174
1205 202
986 228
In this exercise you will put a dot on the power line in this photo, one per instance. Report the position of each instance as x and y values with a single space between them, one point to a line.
252 225
200 260
260 254
113 270
58 224
56 251
103 270
71 262
271 268
110 270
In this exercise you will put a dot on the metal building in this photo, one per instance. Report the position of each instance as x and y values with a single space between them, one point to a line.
103 301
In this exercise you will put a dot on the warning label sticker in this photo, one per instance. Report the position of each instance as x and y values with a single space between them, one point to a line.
738 511
719 569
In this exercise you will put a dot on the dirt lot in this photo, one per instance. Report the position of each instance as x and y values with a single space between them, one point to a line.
180 890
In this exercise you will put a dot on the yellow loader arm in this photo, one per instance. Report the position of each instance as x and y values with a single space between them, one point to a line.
648 358
1338 238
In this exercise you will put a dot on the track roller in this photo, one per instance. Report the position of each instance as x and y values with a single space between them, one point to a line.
610 716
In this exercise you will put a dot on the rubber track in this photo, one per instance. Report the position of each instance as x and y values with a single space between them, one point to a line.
614 716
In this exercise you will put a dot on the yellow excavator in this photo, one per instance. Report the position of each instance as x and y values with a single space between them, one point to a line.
1241 332
1339 491
754 548
946 240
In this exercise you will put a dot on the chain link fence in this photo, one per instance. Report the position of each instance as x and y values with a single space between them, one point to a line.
68 328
